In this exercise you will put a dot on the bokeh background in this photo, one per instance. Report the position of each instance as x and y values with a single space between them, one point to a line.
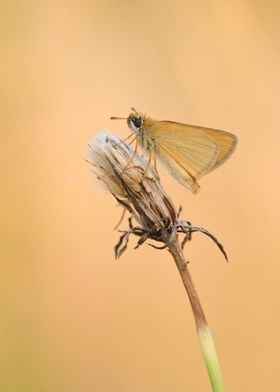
72 317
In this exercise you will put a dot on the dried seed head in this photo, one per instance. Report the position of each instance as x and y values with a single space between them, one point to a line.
135 185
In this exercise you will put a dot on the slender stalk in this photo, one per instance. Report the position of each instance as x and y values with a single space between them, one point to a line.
203 331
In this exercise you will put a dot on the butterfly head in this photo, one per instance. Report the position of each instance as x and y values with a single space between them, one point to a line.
135 121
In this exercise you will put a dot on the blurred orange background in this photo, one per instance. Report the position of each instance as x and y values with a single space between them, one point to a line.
72 317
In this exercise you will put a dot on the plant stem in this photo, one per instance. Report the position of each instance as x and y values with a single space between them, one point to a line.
204 334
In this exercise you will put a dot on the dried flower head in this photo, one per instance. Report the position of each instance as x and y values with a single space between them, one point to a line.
136 186
132 182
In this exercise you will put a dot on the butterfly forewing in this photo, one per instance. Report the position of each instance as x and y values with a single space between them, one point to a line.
191 148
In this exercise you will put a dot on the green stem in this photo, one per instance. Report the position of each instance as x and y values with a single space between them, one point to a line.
205 337
211 360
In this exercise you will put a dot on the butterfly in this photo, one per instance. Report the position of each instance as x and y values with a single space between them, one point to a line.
187 151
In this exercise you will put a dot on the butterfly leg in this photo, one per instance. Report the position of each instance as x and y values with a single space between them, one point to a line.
132 140
149 162
152 157
127 138
155 161
133 155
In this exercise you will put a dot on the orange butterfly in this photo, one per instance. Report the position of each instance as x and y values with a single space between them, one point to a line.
187 151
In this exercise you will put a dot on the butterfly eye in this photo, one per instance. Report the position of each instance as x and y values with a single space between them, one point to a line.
137 122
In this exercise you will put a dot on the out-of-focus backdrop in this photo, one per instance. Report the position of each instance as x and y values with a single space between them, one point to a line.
73 318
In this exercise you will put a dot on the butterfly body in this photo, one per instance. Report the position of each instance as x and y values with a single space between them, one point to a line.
187 151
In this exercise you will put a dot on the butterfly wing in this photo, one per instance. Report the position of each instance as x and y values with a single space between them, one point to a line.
226 142
188 151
